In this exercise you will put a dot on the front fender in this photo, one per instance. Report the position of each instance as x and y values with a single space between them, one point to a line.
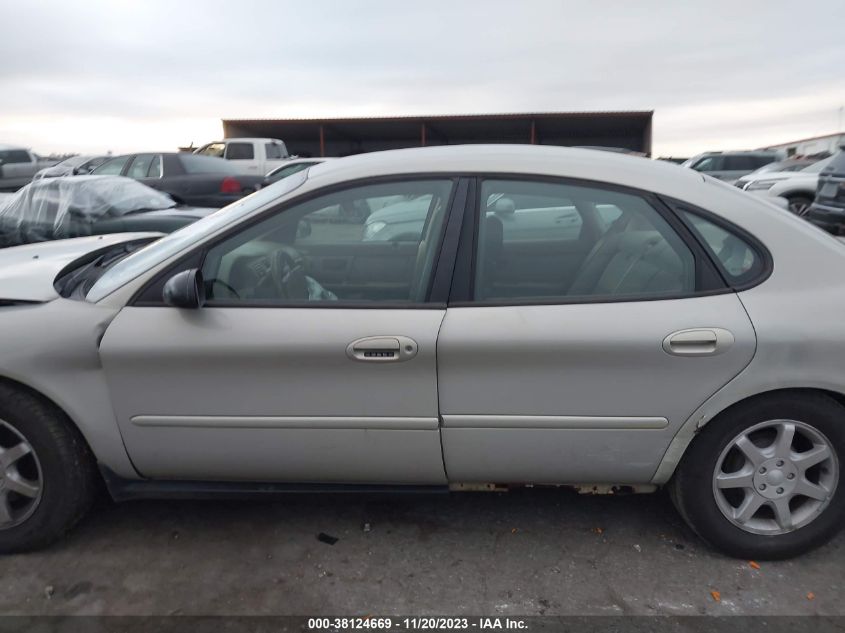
52 348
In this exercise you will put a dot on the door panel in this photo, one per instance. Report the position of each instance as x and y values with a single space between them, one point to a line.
277 377
590 385
596 374
269 394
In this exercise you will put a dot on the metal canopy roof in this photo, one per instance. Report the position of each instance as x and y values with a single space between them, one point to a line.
353 135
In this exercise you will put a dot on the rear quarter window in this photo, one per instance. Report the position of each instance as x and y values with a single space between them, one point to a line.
273 151
740 261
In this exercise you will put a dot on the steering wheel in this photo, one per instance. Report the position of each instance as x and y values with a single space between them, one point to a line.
287 274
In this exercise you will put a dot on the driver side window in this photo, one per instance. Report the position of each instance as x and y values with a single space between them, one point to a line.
373 243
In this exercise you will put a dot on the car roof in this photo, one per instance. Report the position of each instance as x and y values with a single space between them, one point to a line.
544 160
4 146
742 152
243 139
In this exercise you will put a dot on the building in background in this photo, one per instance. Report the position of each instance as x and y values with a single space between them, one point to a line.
342 137
820 146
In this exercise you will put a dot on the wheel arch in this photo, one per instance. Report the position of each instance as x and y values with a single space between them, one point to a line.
704 415
17 385
103 445
797 193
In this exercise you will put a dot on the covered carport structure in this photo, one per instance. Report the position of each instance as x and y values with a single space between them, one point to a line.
630 130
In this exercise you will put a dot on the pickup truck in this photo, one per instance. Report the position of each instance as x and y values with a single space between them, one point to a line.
18 165
251 156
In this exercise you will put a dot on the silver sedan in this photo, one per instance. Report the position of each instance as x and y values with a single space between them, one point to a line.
511 315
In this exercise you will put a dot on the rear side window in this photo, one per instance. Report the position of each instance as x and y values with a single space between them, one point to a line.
140 166
540 241
196 164
742 163
240 151
740 261
273 151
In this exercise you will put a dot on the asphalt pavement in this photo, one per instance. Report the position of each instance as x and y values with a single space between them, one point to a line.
520 553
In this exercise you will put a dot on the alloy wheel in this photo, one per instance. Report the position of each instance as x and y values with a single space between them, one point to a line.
799 208
775 477
21 480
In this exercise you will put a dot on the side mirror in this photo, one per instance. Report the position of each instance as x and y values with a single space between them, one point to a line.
185 290
81 171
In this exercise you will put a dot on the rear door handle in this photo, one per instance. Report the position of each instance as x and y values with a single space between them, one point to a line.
382 349
698 342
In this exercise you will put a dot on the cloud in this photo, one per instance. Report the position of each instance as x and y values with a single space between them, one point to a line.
109 75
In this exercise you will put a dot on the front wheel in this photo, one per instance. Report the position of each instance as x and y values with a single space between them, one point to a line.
799 205
762 480
47 475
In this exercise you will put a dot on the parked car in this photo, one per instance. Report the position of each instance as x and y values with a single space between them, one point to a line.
18 165
797 188
403 220
291 167
828 209
777 170
253 156
59 208
189 179
73 166
729 166
244 354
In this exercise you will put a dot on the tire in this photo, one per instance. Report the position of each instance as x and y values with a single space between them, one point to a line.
59 464
799 205
816 419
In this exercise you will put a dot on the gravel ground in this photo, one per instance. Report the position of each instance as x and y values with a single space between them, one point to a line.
522 553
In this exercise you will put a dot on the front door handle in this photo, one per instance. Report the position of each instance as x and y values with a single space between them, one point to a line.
382 349
698 342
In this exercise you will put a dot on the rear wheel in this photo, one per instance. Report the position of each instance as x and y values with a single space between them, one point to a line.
762 480
47 475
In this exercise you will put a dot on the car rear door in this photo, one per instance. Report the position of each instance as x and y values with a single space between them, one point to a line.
581 370
301 367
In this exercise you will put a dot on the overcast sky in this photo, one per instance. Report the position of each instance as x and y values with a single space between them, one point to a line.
100 75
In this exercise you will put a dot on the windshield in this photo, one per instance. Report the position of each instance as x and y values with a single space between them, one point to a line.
817 167
176 242
75 161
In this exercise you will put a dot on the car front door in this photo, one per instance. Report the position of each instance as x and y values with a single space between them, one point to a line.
577 360
313 359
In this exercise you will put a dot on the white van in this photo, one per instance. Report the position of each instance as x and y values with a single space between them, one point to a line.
253 156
